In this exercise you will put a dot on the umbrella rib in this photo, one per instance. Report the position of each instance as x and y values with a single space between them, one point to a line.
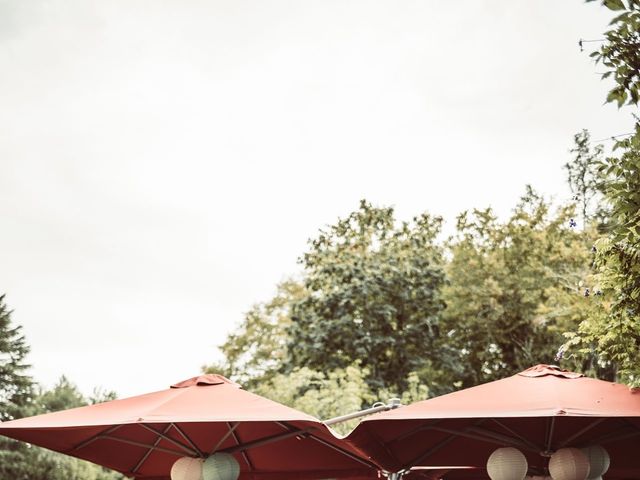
482 435
265 441
437 447
382 444
412 431
633 426
244 453
143 445
148 452
331 445
225 436
429 452
96 437
581 431
503 438
171 440
616 437
342 451
520 437
189 441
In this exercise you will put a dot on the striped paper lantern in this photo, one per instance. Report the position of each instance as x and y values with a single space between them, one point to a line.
507 463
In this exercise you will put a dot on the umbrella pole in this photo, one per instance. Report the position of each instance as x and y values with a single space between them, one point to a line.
393 403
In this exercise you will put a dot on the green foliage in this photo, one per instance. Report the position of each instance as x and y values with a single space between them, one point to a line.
19 397
16 387
620 52
100 395
513 288
323 395
371 307
584 177
64 395
263 354
19 460
336 393
613 328
372 296
257 350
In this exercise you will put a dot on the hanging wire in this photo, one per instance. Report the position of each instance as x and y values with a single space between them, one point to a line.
582 41
613 137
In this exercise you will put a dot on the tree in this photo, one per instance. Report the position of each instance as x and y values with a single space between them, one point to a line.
513 287
62 396
21 461
19 397
16 386
584 176
385 278
372 296
613 330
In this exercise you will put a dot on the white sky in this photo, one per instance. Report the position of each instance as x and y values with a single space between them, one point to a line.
163 163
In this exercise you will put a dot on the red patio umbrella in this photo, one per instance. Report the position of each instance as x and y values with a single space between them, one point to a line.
143 436
536 411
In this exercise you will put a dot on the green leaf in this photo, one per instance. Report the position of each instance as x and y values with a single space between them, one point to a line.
613 96
622 97
619 18
614 4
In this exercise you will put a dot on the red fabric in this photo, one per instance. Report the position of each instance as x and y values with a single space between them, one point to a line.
203 408
528 405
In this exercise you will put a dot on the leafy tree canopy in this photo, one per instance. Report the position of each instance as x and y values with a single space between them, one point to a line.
514 287
373 297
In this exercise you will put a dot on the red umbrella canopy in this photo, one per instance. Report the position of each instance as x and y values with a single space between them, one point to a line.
143 436
537 411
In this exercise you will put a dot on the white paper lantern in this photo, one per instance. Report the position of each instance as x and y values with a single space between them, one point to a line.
221 466
507 464
569 464
187 468
598 461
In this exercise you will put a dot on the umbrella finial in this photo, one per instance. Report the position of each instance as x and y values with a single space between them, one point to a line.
204 380
543 370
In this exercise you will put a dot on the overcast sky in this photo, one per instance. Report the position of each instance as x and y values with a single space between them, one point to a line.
163 163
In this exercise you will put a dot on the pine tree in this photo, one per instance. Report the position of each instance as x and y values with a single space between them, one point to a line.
16 386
